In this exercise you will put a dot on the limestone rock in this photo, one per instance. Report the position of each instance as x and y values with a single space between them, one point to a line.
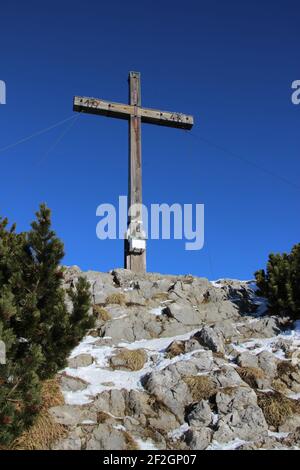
106 437
72 384
183 313
82 360
138 405
246 359
265 327
133 297
197 384
212 339
240 416
164 422
246 424
289 374
124 277
227 376
198 439
293 438
168 389
235 398
291 424
72 442
219 311
228 330
201 415
71 415
111 401
268 363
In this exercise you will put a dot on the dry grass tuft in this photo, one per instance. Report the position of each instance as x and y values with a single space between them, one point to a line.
218 354
162 296
131 444
279 386
228 390
51 394
175 349
118 298
45 431
102 417
201 387
150 433
286 369
129 359
277 407
250 375
287 374
101 313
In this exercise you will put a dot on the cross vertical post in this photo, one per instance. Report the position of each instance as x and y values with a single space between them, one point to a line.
135 238
135 243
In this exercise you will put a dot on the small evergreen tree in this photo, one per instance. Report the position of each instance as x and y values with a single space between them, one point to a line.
35 324
43 318
19 382
81 317
280 283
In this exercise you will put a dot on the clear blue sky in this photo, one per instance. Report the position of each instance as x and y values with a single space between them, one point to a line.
229 63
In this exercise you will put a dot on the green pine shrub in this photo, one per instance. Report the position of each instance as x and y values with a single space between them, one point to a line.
280 283
35 324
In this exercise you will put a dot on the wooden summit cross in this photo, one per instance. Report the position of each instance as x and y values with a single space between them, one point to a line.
135 241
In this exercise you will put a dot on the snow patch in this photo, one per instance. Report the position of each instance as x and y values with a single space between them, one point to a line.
232 445
156 311
278 435
145 445
119 427
100 377
178 432
157 344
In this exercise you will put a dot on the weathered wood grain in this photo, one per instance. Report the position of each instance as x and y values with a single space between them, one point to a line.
135 114
123 111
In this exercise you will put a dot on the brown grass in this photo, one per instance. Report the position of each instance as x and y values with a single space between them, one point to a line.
118 298
130 442
250 375
277 407
45 431
102 417
279 386
228 390
160 296
101 313
175 349
201 387
127 359
287 369
218 354
149 432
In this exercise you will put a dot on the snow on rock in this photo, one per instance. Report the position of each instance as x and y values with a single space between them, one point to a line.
158 344
100 377
188 396
232 445
178 433
145 445
156 311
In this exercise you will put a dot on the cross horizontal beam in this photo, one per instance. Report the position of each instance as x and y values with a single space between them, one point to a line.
124 111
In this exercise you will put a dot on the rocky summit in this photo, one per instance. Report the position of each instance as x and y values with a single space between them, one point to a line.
178 362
